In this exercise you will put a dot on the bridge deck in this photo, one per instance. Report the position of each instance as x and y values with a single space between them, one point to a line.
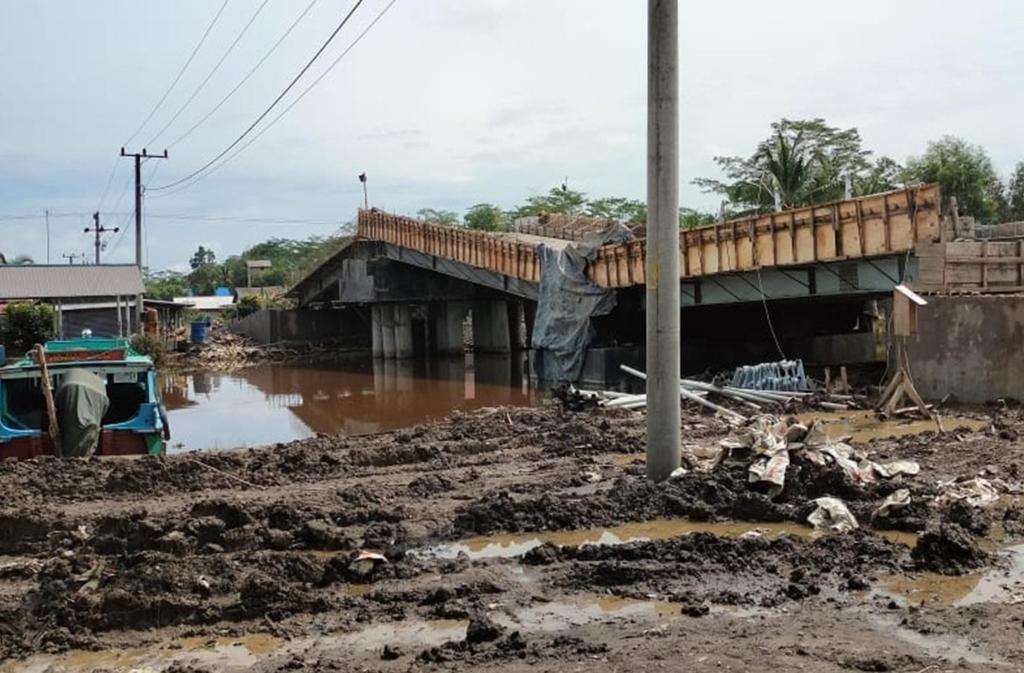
880 225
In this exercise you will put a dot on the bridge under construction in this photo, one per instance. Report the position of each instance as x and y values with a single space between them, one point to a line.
813 282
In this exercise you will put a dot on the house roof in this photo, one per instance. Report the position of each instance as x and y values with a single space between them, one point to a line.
45 281
207 303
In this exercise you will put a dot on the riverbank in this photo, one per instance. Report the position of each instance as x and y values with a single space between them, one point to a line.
225 351
455 544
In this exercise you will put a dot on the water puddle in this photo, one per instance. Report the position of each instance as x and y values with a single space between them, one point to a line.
513 545
999 585
863 426
940 646
220 654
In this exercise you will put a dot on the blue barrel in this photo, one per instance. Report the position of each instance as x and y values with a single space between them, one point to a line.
199 332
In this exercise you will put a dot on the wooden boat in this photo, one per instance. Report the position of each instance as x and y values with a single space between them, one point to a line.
135 422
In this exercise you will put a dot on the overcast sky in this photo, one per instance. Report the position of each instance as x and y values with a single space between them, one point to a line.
447 103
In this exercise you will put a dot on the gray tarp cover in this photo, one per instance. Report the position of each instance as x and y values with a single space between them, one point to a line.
567 300
81 403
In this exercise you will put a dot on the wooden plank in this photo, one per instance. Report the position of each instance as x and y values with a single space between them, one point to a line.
985 260
792 236
860 228
984 266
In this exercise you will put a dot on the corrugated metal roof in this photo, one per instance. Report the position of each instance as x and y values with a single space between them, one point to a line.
206 303
40 281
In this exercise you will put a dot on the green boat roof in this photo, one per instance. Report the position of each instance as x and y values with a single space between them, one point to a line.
91 345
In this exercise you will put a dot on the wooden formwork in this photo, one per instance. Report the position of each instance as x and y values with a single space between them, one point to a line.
475 248
971 266
870 226
881 224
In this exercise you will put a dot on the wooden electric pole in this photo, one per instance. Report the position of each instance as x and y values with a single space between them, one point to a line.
99 229
139 156
662 263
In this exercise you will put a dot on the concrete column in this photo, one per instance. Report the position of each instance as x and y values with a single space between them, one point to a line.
376 331
529 317
403 331
490 327
448 319
387 330
663 359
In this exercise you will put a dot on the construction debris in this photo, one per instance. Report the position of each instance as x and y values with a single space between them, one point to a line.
226 351
832 515
977 492
784 375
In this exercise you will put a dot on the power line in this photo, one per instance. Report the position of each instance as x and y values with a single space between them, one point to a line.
250 220
249 74
213 71
181 72
110 180
189 217
287 109
271 106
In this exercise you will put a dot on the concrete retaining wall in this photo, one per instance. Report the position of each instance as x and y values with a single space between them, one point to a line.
969 346
350 326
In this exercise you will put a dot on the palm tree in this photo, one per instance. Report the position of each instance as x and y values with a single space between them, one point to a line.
20 259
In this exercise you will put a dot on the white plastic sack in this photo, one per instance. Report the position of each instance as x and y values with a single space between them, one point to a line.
896 500
977 492
832 515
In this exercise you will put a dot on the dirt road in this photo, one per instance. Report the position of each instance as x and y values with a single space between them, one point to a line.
507 540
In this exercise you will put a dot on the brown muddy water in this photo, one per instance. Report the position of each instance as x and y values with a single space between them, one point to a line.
862 426
517 544
280 402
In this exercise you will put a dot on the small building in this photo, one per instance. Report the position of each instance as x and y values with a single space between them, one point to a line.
100 298
169 318
255 265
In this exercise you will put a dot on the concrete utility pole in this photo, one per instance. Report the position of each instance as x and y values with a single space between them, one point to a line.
99 229
72 257
138 197
47 235
663 368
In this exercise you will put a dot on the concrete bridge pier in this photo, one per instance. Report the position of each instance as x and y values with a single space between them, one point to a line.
387 330
448 320
403 332
491 333
377 331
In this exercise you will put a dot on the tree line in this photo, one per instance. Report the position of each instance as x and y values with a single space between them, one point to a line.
289 259
800 163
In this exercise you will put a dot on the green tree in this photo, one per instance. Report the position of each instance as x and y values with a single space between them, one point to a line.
20 259
27 325
208 277
1015 195
486 217
690 218
964 171
166 285
202 257
557 200
800 163
883 175
446 218
630 211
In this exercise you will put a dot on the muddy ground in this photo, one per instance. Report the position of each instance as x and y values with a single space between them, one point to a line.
459 545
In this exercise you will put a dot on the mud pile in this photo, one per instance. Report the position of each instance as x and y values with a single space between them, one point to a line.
324 545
